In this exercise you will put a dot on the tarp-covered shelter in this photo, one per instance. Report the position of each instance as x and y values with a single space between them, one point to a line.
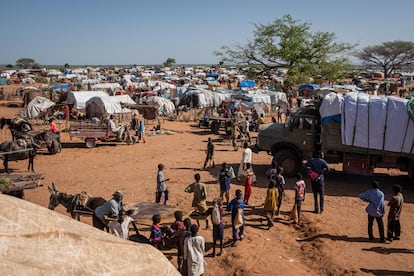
38 107
79 98
196 96
37 241
377 122
247 84
103 105
165 107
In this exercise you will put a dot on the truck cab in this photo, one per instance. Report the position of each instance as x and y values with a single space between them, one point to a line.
289 143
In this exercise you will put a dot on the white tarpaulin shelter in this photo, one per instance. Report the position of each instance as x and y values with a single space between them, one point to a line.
164 106
38 106
37 241
79 98
377 122
103 86
100 105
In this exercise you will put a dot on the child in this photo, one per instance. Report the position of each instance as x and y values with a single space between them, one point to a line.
280 183
209 154
218 226
396 203
236 207
156 233
270 204
194 249
178 227
185 234
300 191
161 185
224 179
120 227
248 183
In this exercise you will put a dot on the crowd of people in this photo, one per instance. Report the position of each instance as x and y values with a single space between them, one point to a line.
191 246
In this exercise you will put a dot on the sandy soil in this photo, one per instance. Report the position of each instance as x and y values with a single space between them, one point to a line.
334 242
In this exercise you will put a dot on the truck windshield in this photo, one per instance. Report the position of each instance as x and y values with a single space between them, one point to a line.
299 122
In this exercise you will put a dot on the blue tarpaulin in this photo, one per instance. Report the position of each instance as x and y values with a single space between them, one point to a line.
62 86
248 83
308 86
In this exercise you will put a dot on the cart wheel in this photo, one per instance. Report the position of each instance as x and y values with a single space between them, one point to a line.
214 126
90 143
130 140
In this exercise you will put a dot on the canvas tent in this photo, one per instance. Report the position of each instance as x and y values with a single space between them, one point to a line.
37 241
79 98
37 107
164 106
100 105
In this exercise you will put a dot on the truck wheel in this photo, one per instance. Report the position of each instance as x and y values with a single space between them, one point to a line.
289 161
90 143
214 126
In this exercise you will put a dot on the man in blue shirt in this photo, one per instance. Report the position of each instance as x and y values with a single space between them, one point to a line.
224 178
316 168
375 209
110 209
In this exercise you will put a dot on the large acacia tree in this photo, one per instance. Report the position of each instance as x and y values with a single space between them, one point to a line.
290 44
26 63
389 56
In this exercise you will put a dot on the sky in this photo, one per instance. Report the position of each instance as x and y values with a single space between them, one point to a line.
96 32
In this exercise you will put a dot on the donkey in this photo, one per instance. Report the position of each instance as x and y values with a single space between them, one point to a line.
17 126
28 151
73 203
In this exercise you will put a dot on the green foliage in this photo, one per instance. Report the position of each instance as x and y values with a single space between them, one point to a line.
9 66
25 63
288 43
389 56
169 62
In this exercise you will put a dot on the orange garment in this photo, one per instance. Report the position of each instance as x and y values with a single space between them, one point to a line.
53 128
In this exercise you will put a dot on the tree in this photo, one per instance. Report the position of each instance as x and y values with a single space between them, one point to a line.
66 65
389 56
288 43
169 62
25 63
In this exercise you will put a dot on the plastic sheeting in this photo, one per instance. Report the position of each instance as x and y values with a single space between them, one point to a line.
331 105
100 105
38 106
79 98
164 106
376 122
37 241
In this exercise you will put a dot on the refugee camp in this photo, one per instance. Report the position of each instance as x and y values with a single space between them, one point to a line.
232 138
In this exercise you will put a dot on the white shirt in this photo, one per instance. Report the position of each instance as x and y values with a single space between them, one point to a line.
120 229
247 156
194 248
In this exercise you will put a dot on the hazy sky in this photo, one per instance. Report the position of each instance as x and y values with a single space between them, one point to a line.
90 32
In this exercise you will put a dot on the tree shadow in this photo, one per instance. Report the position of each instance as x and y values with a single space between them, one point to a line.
384 272
387 251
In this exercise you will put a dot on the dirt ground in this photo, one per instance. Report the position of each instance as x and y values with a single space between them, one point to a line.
333 243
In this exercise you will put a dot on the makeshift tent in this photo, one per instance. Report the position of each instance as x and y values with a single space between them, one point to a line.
376 122
37 241
37 107
103 86
308 86
196 96
103 105
164 106
79 98
247 84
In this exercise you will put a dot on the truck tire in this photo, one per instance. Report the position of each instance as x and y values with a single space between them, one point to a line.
289 161
214 126
90 143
